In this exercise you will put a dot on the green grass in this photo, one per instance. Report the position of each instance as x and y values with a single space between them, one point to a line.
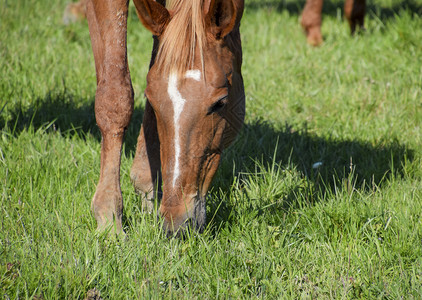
277 228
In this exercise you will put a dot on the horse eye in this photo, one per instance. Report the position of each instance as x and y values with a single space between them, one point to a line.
218 105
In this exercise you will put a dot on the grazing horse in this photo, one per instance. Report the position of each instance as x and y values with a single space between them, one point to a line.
354 11
74 12
195 103
311 19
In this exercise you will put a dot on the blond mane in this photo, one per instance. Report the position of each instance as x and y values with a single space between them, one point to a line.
184 34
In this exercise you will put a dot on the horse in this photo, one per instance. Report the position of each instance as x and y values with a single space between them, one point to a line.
354 11
195 104
310 20
74 11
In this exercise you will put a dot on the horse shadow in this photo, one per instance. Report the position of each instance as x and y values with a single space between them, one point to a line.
259 143
328 164
65 113
55 111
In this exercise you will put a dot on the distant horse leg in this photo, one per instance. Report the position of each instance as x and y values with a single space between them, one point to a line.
74 12
107 20
311 21
355 13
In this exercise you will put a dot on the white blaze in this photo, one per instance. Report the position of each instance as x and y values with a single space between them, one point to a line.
193 74
178 104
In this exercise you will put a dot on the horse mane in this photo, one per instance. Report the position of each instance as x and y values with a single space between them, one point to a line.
183 35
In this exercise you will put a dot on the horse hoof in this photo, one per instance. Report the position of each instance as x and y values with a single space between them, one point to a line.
107 208
314 37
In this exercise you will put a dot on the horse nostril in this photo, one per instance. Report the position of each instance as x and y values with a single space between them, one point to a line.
179 220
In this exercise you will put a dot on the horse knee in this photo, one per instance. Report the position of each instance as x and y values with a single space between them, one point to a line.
113 106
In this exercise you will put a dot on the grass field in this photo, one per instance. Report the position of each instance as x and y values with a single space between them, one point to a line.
277 227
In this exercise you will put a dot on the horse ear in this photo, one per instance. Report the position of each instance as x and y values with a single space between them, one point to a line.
153 15
221 15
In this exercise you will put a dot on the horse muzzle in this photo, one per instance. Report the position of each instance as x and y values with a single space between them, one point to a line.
189 214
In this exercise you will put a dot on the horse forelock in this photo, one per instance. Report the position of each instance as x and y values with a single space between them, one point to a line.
184 35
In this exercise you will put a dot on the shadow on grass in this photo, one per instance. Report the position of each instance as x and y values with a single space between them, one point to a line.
258 141
57 111
65 113
331 8
342 166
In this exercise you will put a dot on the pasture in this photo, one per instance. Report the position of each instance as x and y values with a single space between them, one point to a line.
320 196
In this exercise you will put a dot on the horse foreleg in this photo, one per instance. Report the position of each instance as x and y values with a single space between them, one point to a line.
145 172
311 21
354 11
107 22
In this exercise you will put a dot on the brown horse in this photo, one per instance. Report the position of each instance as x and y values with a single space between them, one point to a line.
74 12
195 103
354 11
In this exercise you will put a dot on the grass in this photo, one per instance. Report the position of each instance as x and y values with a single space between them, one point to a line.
277 227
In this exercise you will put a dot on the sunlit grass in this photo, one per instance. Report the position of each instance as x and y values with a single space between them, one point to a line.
319 197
